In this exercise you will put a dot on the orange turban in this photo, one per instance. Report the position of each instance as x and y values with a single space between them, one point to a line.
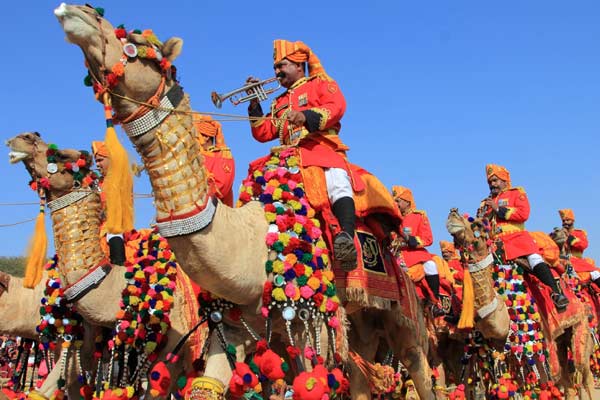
590 261
447 246
208 127
400 192
298 52
100 149
566 213
499 171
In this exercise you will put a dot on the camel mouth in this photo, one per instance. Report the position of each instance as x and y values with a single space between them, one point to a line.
75 23
16 156
454 228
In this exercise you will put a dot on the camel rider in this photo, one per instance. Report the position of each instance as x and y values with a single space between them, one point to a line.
452 258
575 244
217 156
507 208
414 235
116 243
307 115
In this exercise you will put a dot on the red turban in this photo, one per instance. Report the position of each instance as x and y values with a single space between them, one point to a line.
400 192
298 52
566 213
498 171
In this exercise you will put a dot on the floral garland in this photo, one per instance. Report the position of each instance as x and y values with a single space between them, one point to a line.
299 284
59 320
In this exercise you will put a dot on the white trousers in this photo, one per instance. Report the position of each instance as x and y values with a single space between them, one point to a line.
534 259
430 268
595 275
338 184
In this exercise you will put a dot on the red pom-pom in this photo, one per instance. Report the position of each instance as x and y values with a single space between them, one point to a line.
160 379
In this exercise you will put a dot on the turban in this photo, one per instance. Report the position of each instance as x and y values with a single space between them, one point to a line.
298 52
590 261
100 149
400 192
566 213
499 171
208 127
447 246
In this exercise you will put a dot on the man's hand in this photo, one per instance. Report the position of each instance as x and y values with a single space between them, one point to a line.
296 118
489 202
253 102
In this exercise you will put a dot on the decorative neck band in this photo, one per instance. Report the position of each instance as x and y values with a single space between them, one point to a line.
154 117
481 264
68 199
191 224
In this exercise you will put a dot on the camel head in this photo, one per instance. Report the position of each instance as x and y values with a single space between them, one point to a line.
471 235
130 64
53 170
560 236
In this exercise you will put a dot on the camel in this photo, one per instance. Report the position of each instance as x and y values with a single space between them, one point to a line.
203 242
494 322
76 228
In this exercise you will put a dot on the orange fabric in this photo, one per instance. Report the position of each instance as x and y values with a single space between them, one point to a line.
566 213
416 272
548 249
499 171
100 149
298 52
206 128
443 268
401 192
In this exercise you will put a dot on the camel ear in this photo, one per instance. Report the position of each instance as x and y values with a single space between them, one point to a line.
172 48
138 38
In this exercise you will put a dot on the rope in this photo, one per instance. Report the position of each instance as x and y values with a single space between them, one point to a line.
230 117
17 223
136 195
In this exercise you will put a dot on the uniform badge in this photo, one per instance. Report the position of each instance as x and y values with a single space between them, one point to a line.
503 202
302 99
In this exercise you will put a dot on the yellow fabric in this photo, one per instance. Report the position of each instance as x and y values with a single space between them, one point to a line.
298 52
499 171
118 186
566 213
443 269
467 315
416 272
401 192
38 247
99 149
511 228
548 248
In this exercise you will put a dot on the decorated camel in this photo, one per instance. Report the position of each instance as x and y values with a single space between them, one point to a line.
76 219
563 336
221 248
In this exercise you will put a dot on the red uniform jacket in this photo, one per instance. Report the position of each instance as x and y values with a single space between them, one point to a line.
457 270
416 226
323 105
509 224
578 242
221 166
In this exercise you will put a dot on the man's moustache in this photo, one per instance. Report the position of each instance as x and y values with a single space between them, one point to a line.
280 75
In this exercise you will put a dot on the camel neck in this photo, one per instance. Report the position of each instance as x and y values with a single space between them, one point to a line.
172 158
76 227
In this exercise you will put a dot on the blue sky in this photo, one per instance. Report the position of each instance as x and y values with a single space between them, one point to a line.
435 90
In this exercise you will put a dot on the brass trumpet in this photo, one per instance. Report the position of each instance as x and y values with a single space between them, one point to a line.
252 90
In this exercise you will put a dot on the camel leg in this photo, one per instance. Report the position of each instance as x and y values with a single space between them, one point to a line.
359 383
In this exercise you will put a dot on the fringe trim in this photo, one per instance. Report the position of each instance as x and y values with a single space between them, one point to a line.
360 296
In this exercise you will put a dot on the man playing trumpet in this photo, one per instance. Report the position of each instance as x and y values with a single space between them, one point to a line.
308 115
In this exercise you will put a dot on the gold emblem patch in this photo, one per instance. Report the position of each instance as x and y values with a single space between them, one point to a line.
302 100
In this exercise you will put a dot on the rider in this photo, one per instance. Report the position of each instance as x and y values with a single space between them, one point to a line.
307 115
415 234
452 258
575 244
217 156
116 243
507 208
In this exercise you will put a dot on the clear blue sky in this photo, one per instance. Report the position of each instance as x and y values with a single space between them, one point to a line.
435 90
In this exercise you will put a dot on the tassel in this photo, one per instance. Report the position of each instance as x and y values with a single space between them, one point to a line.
467 316
38 246
118 183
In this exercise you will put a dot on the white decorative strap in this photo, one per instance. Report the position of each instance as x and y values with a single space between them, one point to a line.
488 309
178 227
68 199
481 264
155 116
87 282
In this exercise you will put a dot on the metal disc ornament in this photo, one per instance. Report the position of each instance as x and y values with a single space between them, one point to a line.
52 168
288 313
216 316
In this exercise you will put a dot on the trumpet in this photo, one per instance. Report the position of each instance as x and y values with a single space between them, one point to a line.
252 90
